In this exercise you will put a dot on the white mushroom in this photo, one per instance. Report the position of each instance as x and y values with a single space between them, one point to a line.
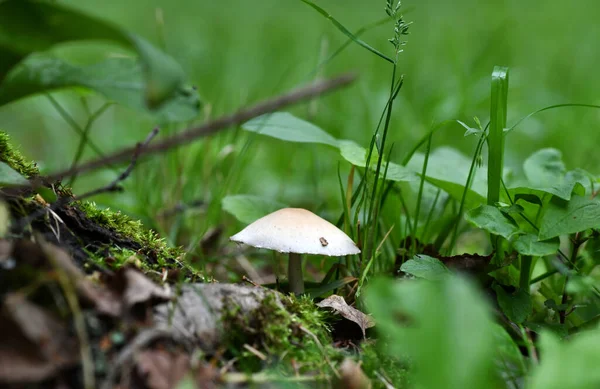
296 231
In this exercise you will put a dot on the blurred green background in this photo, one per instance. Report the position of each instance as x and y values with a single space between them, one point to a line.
239 52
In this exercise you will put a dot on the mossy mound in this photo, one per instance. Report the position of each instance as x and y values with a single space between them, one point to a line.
95 237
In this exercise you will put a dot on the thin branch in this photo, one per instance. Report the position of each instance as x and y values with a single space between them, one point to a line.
85 137
113 186
185 137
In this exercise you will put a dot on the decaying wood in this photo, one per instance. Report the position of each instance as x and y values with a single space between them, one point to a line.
194 318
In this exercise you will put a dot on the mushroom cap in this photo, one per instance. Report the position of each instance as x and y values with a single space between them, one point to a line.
296 230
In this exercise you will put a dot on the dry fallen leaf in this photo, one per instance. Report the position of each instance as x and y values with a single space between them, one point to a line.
161 369
104 300
34 345
139 289
339 305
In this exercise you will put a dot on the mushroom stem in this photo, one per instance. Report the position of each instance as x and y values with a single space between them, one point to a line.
295 280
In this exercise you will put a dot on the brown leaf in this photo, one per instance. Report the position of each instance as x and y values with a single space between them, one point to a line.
33 344
338 304
352 376
161 369
138 289
105 301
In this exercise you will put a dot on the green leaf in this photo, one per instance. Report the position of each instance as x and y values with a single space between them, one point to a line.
546 173
10 177
320 290
544 168
492 220
528 197
570 364
248 208
357 156
28 26
509 359
445 324
528 244
118 79
568 217
424 266
448 170
516 306
285 126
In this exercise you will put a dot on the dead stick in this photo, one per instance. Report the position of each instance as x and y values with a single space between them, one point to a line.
113 186
209 128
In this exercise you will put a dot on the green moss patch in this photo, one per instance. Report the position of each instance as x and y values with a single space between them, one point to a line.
13 158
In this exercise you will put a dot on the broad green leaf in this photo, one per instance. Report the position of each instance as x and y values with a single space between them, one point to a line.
448 170
492 220
546 172
357 156
559 330
248 208
445 326
285 126
516 306
10 177
568 217
28 26
320 290
568 364
118 79
528 197
528 244
353 153
424 266
544 168
509 359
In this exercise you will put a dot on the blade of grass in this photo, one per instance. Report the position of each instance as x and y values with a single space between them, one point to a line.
495 141
549 108
468 184
421 186
347 32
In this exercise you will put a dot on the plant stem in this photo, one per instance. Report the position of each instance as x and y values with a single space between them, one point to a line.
295 280
525 272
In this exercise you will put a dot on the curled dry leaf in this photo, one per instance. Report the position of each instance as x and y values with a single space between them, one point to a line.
34 345
127 287
138 289
105 301
339 305
161 369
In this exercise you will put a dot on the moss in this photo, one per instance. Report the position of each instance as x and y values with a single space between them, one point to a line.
151 245
375 363
284 333
13 158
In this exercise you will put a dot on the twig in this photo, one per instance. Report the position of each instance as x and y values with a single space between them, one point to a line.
113 186
209 128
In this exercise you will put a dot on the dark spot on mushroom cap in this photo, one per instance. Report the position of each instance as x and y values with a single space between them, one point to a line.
323 241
